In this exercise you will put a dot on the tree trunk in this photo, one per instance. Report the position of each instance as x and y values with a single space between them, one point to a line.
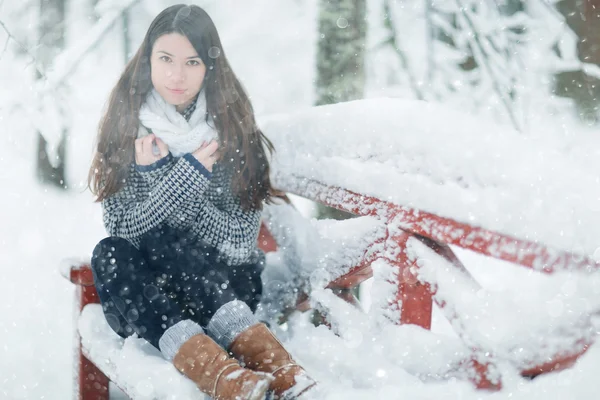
126 39
583 17
340 60
51 33
341 51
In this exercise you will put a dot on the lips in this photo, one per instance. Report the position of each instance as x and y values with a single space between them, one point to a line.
176 91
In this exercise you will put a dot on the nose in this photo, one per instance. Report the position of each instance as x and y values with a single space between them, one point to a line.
176 73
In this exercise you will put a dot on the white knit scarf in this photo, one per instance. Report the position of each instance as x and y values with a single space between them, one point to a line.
171 127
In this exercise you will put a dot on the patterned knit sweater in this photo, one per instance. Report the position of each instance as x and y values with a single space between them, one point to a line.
182 193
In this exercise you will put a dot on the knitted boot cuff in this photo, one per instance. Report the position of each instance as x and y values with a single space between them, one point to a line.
229 321
170 342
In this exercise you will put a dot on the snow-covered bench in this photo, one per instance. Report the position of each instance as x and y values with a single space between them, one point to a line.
333 254
421 187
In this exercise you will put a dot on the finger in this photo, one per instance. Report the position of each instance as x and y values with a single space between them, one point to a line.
208 150
162 147
204 144
212 147
215 156
138 147
147 144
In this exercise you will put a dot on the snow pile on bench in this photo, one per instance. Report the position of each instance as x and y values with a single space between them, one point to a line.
522 329
136 367
311 253
442 161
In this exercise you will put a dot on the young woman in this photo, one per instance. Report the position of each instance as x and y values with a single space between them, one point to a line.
181 172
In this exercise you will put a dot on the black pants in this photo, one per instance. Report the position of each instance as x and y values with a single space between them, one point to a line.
172 277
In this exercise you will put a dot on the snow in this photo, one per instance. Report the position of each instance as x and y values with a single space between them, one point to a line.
234 375
524 336
437 150
133 364
424 157
39 227
311 253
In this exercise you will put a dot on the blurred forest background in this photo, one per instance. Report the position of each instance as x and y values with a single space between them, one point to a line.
525 63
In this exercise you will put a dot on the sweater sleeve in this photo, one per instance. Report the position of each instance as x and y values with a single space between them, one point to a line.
131 212
185 215
153 173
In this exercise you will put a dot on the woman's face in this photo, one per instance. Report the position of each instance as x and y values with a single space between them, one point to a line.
177 70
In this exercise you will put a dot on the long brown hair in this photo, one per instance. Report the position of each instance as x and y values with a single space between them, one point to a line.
242 142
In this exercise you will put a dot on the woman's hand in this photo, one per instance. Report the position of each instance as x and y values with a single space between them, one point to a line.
207 154
146 153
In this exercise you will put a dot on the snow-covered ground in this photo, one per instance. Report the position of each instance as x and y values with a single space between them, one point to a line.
39 227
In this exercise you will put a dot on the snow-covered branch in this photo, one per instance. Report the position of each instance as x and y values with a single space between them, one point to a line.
484 52
67 61
394 42
10 36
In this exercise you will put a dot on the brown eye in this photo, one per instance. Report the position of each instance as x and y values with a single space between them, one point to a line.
194 62
165 58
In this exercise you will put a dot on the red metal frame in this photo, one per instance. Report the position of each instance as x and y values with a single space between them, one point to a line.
438 233
443 230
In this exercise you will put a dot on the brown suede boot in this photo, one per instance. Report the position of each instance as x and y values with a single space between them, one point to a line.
258 349
216 374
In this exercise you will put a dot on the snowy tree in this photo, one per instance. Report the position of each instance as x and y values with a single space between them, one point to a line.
476 47
49 39
510 59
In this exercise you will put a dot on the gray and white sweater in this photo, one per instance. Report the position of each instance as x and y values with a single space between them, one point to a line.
182 193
